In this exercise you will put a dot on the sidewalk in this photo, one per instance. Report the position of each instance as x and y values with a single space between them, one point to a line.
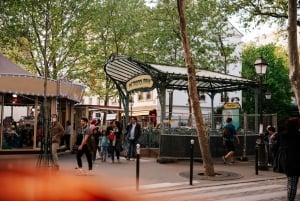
154 176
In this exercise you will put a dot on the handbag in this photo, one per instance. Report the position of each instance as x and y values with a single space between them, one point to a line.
279 164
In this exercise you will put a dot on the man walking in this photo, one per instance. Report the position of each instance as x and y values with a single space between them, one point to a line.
56 132
83 148
133 132
228 140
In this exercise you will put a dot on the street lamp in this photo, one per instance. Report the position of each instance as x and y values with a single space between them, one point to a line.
268 95
260 68
261 156
170 91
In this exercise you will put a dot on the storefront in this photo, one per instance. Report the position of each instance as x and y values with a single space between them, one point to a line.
21 105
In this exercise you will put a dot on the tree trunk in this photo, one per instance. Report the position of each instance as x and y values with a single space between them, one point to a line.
293 50
201 130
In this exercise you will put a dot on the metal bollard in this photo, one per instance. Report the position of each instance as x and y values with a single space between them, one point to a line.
256 159
137 166
262 154
192 161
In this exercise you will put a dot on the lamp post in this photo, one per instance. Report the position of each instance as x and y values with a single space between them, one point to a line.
268 97
261 158
170 91
260 68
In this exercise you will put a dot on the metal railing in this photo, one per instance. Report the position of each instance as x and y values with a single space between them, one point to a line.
246 125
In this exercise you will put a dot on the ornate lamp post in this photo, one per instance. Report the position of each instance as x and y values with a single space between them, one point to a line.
261 159
260 68
170 91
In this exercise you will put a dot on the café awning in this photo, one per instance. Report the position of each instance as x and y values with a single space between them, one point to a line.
16 80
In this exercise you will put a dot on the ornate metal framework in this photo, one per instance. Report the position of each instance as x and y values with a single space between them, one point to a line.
122 69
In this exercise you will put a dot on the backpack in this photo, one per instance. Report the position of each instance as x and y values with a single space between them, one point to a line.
226 133
111 136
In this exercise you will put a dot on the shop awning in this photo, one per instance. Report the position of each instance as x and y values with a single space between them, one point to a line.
16 80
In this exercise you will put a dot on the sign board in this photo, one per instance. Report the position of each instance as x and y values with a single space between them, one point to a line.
231 110
139 82
232 105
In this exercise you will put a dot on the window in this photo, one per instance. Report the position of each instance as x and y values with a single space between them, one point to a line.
202 96
140 96
114 100
149 95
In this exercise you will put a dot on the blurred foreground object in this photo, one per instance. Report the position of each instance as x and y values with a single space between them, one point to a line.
23 183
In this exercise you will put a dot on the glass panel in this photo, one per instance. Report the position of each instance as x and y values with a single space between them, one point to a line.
18 122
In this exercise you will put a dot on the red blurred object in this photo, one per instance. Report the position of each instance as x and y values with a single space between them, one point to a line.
47 185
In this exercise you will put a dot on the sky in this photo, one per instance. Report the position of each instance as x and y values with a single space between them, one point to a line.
249 35
254 32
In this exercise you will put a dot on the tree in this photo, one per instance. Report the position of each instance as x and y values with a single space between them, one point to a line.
273 12
293 50
258 11
276 79
209 33
117 28
201 131
53 33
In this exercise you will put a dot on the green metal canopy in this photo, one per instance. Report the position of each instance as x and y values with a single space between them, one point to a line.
131 75
123 69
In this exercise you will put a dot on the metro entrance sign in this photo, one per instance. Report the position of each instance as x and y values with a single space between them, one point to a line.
232 105
231 110
139 82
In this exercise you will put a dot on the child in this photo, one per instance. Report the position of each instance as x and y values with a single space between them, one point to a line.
104 143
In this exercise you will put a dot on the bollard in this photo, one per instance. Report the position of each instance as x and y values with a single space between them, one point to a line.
192 161
256 159
262 154
137 166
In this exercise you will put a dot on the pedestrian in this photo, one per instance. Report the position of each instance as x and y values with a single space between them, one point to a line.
229 139
116 144
95 142
288 142
133 132
109 129
68 135
272 142
104 143
97 139
56 132
92 125
84 147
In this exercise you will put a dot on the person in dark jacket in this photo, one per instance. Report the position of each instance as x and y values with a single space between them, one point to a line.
133 132
290 140
56 132
116 143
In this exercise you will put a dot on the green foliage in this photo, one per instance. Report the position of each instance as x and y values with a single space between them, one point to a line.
74 38
255 12
208 30
54 32
275 81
